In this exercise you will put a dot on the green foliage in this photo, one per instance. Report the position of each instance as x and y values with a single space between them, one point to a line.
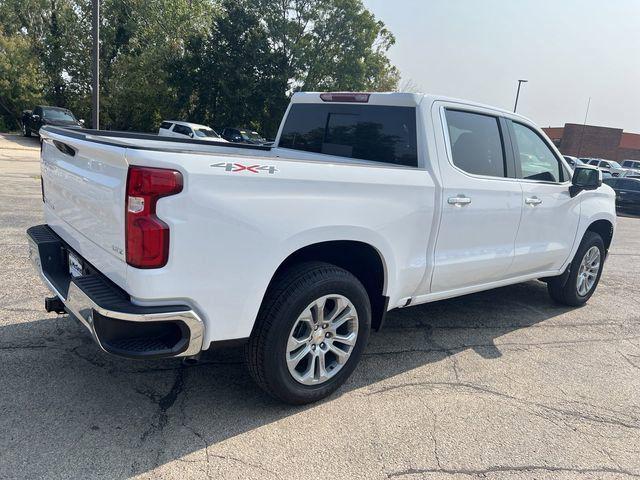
20 79
219 62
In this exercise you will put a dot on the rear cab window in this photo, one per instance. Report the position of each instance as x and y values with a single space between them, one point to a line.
166 125
376 133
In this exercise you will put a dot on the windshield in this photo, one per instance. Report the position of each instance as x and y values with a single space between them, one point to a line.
58 114
250 135
614 164
206 132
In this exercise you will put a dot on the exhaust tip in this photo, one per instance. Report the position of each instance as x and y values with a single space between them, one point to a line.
191 361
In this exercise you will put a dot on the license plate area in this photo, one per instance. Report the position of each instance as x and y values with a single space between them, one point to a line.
75 264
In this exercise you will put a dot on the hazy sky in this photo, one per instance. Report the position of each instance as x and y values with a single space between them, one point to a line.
569 50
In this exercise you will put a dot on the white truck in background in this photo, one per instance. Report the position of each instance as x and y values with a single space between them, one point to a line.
366 202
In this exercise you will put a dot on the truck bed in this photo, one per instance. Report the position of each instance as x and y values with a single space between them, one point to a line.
143 141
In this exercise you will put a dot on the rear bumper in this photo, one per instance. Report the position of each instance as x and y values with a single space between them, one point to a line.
116 324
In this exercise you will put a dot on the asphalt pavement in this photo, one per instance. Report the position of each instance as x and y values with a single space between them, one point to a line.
500 385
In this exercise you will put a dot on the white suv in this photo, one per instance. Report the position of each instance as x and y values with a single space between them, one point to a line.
172 128
609 166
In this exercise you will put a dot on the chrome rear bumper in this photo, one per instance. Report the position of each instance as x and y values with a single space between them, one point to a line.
117 325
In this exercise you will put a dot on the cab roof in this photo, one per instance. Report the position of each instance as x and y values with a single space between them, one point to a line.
391 99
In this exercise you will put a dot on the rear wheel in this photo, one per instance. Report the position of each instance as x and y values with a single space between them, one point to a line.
584 274
310 333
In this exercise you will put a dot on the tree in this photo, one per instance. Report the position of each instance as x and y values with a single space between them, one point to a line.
20 78
51 40
258 52
219 62
330 45
228 77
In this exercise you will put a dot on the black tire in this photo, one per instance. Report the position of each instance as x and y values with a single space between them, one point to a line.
289 294
566 292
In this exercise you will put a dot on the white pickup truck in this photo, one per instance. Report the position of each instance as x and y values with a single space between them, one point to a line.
365 203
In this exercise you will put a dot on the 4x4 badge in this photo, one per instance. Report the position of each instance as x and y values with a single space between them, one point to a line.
239 167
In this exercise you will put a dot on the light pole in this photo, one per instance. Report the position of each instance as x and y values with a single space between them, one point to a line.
95 81
520 82
584 125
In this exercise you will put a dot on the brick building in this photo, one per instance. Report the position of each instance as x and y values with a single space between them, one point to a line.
596 142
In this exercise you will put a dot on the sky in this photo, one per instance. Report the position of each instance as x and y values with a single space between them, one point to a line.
568 50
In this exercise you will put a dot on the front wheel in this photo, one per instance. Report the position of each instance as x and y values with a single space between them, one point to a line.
310 333
584 274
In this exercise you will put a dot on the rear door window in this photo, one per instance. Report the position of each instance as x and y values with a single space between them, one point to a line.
385 134
476 143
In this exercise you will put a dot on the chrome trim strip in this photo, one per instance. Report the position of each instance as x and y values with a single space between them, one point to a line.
82 307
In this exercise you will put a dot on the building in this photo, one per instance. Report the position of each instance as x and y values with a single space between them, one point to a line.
595 142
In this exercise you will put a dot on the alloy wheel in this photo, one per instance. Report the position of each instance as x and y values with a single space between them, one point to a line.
322 339
588 271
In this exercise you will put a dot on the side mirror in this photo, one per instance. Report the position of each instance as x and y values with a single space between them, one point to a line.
81 121
191 134
585 178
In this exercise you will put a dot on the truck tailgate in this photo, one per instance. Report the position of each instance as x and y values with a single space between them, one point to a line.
84 186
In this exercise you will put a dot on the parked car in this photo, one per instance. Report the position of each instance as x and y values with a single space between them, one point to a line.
366 203
631 173
573 161
632 167
627 194
33 120
614 168
243 135
173 128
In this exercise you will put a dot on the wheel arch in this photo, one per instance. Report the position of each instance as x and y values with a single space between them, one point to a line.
360 258
604 228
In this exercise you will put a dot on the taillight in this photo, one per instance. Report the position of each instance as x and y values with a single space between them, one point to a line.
147 236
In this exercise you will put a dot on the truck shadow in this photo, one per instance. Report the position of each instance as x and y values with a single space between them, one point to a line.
93 415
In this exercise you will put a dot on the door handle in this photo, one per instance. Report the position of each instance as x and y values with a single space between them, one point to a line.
532 201
459 201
